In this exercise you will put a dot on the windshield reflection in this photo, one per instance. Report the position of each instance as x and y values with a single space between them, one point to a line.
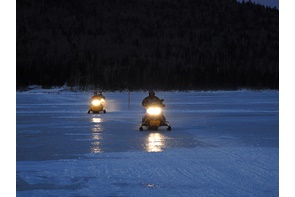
96 135
155 142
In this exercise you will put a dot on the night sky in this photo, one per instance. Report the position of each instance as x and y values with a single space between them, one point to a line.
270 3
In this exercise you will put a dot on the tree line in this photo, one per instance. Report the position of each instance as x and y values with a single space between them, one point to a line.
143 44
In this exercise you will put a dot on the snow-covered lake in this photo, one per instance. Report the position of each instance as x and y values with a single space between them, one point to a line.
222 143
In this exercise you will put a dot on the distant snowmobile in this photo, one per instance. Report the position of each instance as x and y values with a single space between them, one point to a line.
154 118
97 103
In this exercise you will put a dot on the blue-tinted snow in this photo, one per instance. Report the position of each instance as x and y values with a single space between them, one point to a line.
223 143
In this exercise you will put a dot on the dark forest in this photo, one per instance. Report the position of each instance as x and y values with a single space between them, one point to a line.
147 44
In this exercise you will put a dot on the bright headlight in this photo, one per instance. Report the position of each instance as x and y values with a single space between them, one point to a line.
154 110
95 102
101 100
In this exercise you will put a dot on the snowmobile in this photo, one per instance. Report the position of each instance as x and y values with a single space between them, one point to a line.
96 105
154 118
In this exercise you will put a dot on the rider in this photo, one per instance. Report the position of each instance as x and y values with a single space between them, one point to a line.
98 95
152 98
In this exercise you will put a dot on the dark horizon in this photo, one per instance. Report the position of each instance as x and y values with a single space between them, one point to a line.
268 3
145 44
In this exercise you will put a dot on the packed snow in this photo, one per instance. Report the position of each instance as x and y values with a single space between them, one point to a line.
222 143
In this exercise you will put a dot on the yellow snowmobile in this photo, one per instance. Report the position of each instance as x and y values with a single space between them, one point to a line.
154 118
97 103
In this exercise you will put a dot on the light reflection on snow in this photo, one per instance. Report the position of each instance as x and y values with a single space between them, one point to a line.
96 147
155 142
96 135
96 144
96 128
96 120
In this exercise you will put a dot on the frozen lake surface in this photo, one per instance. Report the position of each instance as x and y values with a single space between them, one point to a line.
223 143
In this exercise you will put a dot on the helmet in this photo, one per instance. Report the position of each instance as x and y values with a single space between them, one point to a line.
151 93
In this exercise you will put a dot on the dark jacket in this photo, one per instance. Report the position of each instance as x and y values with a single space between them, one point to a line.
152 99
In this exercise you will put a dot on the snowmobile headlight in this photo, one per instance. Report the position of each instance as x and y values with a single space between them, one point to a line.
101 100
154 110
95 102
